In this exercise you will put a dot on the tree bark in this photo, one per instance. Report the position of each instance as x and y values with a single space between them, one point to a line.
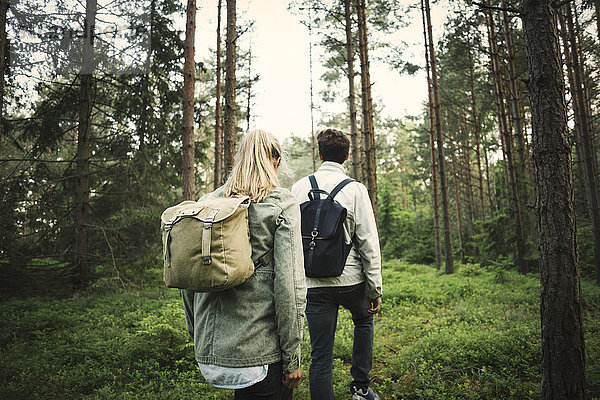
3 9
583 133
449 258
434 182
597 12
189 75
313 144
249 88
563 355
507 140
461 251
351 95
467 168
82 186
367 103
492 205
230 106
475 119
218 178
515 94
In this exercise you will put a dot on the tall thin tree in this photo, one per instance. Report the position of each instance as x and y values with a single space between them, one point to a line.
584 132
476 134
230 106
432 152
367 104
563 355
218 178
313 144
189 79
505 132
513 87
351 94
459 231
448 256
82 186
3 10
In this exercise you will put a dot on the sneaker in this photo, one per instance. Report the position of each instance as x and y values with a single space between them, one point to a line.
360 394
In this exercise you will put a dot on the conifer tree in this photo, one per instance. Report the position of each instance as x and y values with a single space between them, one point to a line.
563 355
189 78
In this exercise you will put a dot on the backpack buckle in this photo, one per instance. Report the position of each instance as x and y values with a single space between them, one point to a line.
206 260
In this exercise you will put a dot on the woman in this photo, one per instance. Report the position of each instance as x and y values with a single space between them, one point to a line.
248 337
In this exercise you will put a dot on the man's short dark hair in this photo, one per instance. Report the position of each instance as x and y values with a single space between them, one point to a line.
333 145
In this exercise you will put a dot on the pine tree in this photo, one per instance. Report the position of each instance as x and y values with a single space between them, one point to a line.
230 82
189 78
563 359
449 258
367 105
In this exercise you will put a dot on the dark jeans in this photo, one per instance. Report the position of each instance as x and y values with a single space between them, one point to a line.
321 314
270 388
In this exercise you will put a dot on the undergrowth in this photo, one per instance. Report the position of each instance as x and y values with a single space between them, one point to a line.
471 335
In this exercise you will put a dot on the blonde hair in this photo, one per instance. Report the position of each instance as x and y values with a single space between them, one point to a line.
253 173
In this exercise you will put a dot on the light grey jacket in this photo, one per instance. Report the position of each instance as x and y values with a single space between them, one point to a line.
260 321
364 261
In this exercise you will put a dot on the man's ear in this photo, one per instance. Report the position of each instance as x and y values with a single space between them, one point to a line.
347 155
320 156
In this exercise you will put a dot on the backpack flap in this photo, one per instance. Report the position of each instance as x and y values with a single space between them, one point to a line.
207 244
331 218
325 249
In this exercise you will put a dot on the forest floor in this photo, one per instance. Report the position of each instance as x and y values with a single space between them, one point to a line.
471 335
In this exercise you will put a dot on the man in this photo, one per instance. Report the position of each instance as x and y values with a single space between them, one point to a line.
358 289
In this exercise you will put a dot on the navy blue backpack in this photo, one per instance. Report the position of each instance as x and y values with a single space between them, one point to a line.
322 225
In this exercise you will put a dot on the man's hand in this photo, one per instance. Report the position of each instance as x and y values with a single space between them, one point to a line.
292 381
375 305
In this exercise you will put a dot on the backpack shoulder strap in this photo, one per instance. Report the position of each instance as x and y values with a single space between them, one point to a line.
314 192
265 259
339 187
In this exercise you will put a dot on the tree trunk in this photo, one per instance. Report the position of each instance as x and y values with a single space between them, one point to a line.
313 144
563 356
218 178
597 12
249 87
449 268
189 75
351 96
230 106
476 134
367 104
467 168
492 207
583 135
3 9
82 187
515 94
505 133
434 182
461 251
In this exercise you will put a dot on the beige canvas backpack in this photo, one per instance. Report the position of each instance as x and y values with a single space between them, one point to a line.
206 244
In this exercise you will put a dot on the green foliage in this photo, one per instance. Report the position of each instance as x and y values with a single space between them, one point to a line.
407 236
469 335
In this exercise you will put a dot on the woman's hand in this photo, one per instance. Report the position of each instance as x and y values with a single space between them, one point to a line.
292 381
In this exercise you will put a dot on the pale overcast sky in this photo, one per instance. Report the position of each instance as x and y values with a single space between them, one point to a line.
280 48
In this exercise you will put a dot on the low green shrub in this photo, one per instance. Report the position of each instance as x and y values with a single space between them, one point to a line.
469 335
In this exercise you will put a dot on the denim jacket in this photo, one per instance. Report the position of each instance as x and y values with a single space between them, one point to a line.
260 321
